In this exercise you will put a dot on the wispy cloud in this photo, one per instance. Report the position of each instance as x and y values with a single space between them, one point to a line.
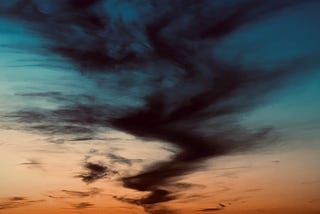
219 207
83 194
16 202
83 205
122 160
33 164
212 209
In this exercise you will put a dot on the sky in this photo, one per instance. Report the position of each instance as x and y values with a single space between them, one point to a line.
148 107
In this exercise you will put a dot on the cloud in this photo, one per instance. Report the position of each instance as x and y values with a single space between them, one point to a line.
122 160
41 94
149 201
158 196
57 96
31 162
83 121
160 210
213 209
179 186
160 55
82 194
55 197
220 207
83 205
16 202
95 171
17 198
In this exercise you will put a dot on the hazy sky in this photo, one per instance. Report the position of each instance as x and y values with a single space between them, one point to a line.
180 106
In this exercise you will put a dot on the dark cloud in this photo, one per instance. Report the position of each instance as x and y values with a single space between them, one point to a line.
84 139
154 197
148 202
191 98
95 171
158 196
80 120
83 205
72 138
220 207
17 198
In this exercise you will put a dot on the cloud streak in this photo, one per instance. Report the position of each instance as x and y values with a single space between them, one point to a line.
16 202
82 205
187 96
83 194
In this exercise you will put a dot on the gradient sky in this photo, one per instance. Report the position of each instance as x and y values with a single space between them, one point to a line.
180 106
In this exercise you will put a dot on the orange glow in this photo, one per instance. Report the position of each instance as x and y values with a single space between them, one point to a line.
273 182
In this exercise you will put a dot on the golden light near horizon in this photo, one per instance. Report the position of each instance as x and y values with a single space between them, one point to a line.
45 179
